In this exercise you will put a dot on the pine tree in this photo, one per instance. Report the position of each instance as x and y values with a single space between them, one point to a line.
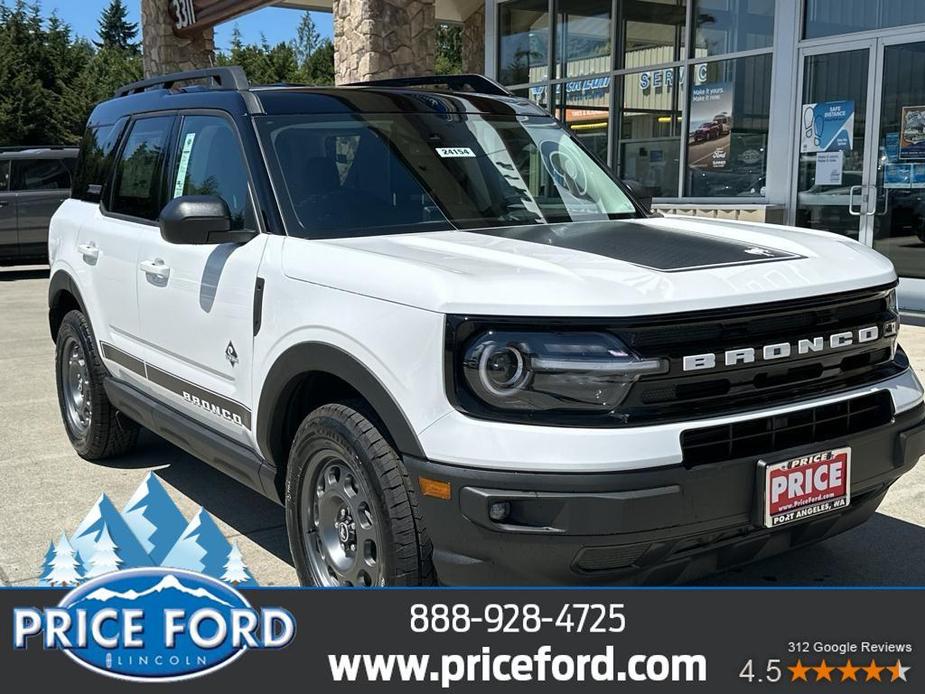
115 30
46 564
307 39
66 569
235 569
105 559
319 69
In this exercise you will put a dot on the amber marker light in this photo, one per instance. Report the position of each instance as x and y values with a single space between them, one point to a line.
435 488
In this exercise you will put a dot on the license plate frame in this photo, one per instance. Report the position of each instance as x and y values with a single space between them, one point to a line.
803 472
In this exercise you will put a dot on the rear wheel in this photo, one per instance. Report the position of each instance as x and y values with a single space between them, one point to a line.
351 512
95 428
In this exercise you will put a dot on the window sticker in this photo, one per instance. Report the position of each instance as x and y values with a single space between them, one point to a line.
454 152
184 164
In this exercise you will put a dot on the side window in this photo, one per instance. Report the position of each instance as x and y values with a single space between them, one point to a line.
209 162
95 161
40 174
139 172
4 176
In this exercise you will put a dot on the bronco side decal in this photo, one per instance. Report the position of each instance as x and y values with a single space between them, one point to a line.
212 403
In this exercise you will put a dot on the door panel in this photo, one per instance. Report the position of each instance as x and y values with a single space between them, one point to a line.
108 243
196 302
34 210
41 185
9 239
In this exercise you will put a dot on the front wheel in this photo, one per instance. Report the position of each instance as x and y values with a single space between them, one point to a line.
351 512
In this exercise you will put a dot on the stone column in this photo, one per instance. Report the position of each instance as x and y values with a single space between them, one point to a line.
381 39
164 51
473 42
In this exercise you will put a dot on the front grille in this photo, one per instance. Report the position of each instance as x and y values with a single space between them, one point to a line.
756 437
677 395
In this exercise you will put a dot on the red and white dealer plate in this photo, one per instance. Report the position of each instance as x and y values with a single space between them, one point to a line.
807 486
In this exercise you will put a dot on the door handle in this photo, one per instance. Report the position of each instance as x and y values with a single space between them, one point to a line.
155 268
851 201
886 202
89 251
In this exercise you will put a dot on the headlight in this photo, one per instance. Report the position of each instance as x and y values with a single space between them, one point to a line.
523 371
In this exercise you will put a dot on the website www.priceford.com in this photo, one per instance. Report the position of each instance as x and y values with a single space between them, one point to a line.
541 666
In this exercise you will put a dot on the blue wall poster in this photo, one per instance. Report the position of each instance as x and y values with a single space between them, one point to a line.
827 126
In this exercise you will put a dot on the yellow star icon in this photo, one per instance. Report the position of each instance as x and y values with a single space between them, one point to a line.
823 671
849 672
799 671
898 671
873 672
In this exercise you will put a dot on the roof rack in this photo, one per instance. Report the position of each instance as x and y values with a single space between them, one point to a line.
29 148
228 78
453 83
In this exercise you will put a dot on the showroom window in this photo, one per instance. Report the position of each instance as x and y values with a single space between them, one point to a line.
672 93
523 45
728 26
833 17
727 134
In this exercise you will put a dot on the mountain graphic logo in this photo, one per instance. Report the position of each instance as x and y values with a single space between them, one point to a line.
158 625
149 532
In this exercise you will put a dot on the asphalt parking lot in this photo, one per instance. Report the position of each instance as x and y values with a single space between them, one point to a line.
46 489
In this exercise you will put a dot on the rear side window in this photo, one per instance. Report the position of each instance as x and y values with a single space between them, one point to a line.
95 161
139 171
40 174
4 176
209 162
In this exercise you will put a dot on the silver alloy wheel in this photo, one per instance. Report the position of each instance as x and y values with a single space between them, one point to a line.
341 533
75 386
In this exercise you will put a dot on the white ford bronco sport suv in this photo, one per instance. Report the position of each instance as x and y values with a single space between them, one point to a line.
422 317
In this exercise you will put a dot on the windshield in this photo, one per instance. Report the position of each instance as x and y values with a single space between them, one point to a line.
368 174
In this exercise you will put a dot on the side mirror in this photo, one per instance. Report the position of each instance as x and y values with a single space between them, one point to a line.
199 220
642 193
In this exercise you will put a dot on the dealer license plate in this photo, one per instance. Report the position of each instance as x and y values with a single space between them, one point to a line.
807 486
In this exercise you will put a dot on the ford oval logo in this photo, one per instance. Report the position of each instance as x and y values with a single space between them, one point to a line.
154 624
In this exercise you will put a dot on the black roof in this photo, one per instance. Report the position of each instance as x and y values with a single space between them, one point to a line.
415 95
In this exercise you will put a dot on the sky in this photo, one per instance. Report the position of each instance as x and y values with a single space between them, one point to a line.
277 24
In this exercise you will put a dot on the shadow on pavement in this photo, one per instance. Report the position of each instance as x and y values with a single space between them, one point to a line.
248 512
15 274
884 551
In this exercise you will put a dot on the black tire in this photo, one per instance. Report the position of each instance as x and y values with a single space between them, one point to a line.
338 437
104 432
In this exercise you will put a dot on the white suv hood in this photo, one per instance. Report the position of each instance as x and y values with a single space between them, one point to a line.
494 272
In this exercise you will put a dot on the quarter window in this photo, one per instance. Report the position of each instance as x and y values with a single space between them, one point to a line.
4 176
209 162
137 190
40 174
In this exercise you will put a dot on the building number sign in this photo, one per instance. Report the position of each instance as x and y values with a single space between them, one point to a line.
184 12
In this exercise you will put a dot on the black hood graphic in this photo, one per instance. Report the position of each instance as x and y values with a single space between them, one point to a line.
647 246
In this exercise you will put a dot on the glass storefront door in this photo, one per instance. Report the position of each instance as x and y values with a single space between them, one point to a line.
898 221
861 149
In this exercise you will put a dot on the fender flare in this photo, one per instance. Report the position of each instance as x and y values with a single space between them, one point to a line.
62 282
310 357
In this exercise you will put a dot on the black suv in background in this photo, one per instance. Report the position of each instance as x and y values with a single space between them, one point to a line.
34 181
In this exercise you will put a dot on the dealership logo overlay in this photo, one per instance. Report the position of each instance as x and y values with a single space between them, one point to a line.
150 531
153 624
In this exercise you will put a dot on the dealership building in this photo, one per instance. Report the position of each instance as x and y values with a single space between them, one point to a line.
807 112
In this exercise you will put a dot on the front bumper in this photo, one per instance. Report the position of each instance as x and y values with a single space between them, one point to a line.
651 526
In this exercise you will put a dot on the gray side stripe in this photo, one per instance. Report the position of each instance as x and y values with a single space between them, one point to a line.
212 403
